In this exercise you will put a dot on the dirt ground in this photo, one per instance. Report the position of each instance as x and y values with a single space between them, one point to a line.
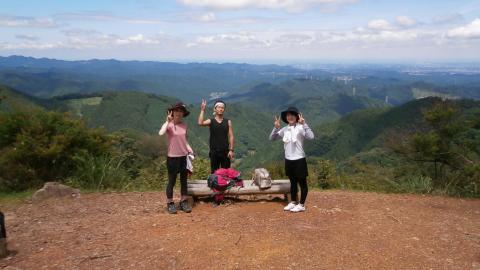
339 230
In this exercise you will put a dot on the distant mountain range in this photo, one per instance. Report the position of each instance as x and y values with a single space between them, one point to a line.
42 77
190 82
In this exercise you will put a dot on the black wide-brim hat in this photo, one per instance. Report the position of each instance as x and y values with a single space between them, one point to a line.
292 110
181 106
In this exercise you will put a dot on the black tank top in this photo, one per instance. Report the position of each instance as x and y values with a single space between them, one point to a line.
219 135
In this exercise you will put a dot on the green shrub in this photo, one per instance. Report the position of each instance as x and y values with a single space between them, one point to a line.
416 184
201 168
40 146
276 169
104 172
324 172
153 176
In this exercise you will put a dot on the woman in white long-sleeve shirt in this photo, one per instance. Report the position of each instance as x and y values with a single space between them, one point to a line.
293 136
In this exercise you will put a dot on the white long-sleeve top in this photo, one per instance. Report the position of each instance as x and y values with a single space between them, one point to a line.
293 137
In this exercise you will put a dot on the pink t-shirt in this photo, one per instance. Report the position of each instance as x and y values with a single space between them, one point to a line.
177 140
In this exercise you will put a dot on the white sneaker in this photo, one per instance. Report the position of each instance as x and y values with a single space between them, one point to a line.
298 208
290 206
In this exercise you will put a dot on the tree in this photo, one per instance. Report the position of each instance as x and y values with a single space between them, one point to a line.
451 145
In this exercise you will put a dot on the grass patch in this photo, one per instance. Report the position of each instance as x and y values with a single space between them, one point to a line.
13 199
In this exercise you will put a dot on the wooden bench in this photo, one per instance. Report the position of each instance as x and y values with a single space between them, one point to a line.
199 188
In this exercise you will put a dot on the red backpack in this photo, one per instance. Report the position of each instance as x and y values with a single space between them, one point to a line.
222 180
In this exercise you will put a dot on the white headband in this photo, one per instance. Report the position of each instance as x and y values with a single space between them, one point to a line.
217 103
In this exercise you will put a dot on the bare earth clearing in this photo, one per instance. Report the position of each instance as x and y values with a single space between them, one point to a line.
339 230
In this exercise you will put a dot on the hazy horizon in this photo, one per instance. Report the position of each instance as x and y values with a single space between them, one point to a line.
244 30
280 62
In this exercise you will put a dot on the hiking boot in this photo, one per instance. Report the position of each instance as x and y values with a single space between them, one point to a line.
298 208
185 207
290 206
171 208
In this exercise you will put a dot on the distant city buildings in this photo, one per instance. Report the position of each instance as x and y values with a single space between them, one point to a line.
346 78
217 95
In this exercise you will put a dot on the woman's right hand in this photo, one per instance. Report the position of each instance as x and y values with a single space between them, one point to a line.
204 105
276 124
170 116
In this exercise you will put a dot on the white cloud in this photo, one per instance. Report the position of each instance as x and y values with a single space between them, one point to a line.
379 24
295 39
86 16
136 39
30 45
206 40
401 22
378 36
144 21
310 39
28 22
251 20
90 39
237 22
288 5
82 39
238 40
101 16
26 37
406 21
191 45
242 37
469 31
370 38
207 17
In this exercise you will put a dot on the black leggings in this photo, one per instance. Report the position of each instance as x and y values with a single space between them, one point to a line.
297 171
294 182
176 165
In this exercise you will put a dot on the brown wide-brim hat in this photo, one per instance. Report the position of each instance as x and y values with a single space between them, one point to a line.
181 106
292 110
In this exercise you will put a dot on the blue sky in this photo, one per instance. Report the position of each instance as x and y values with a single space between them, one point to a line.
243 30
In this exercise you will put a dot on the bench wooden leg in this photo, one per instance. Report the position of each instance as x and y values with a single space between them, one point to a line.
286 197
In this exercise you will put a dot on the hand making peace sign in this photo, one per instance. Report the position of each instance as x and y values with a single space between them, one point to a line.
301 120
170 116
204 105
277 122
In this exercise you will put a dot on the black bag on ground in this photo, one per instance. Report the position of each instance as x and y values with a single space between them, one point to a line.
3 231
3 237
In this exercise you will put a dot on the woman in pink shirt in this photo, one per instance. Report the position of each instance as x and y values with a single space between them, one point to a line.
178 149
